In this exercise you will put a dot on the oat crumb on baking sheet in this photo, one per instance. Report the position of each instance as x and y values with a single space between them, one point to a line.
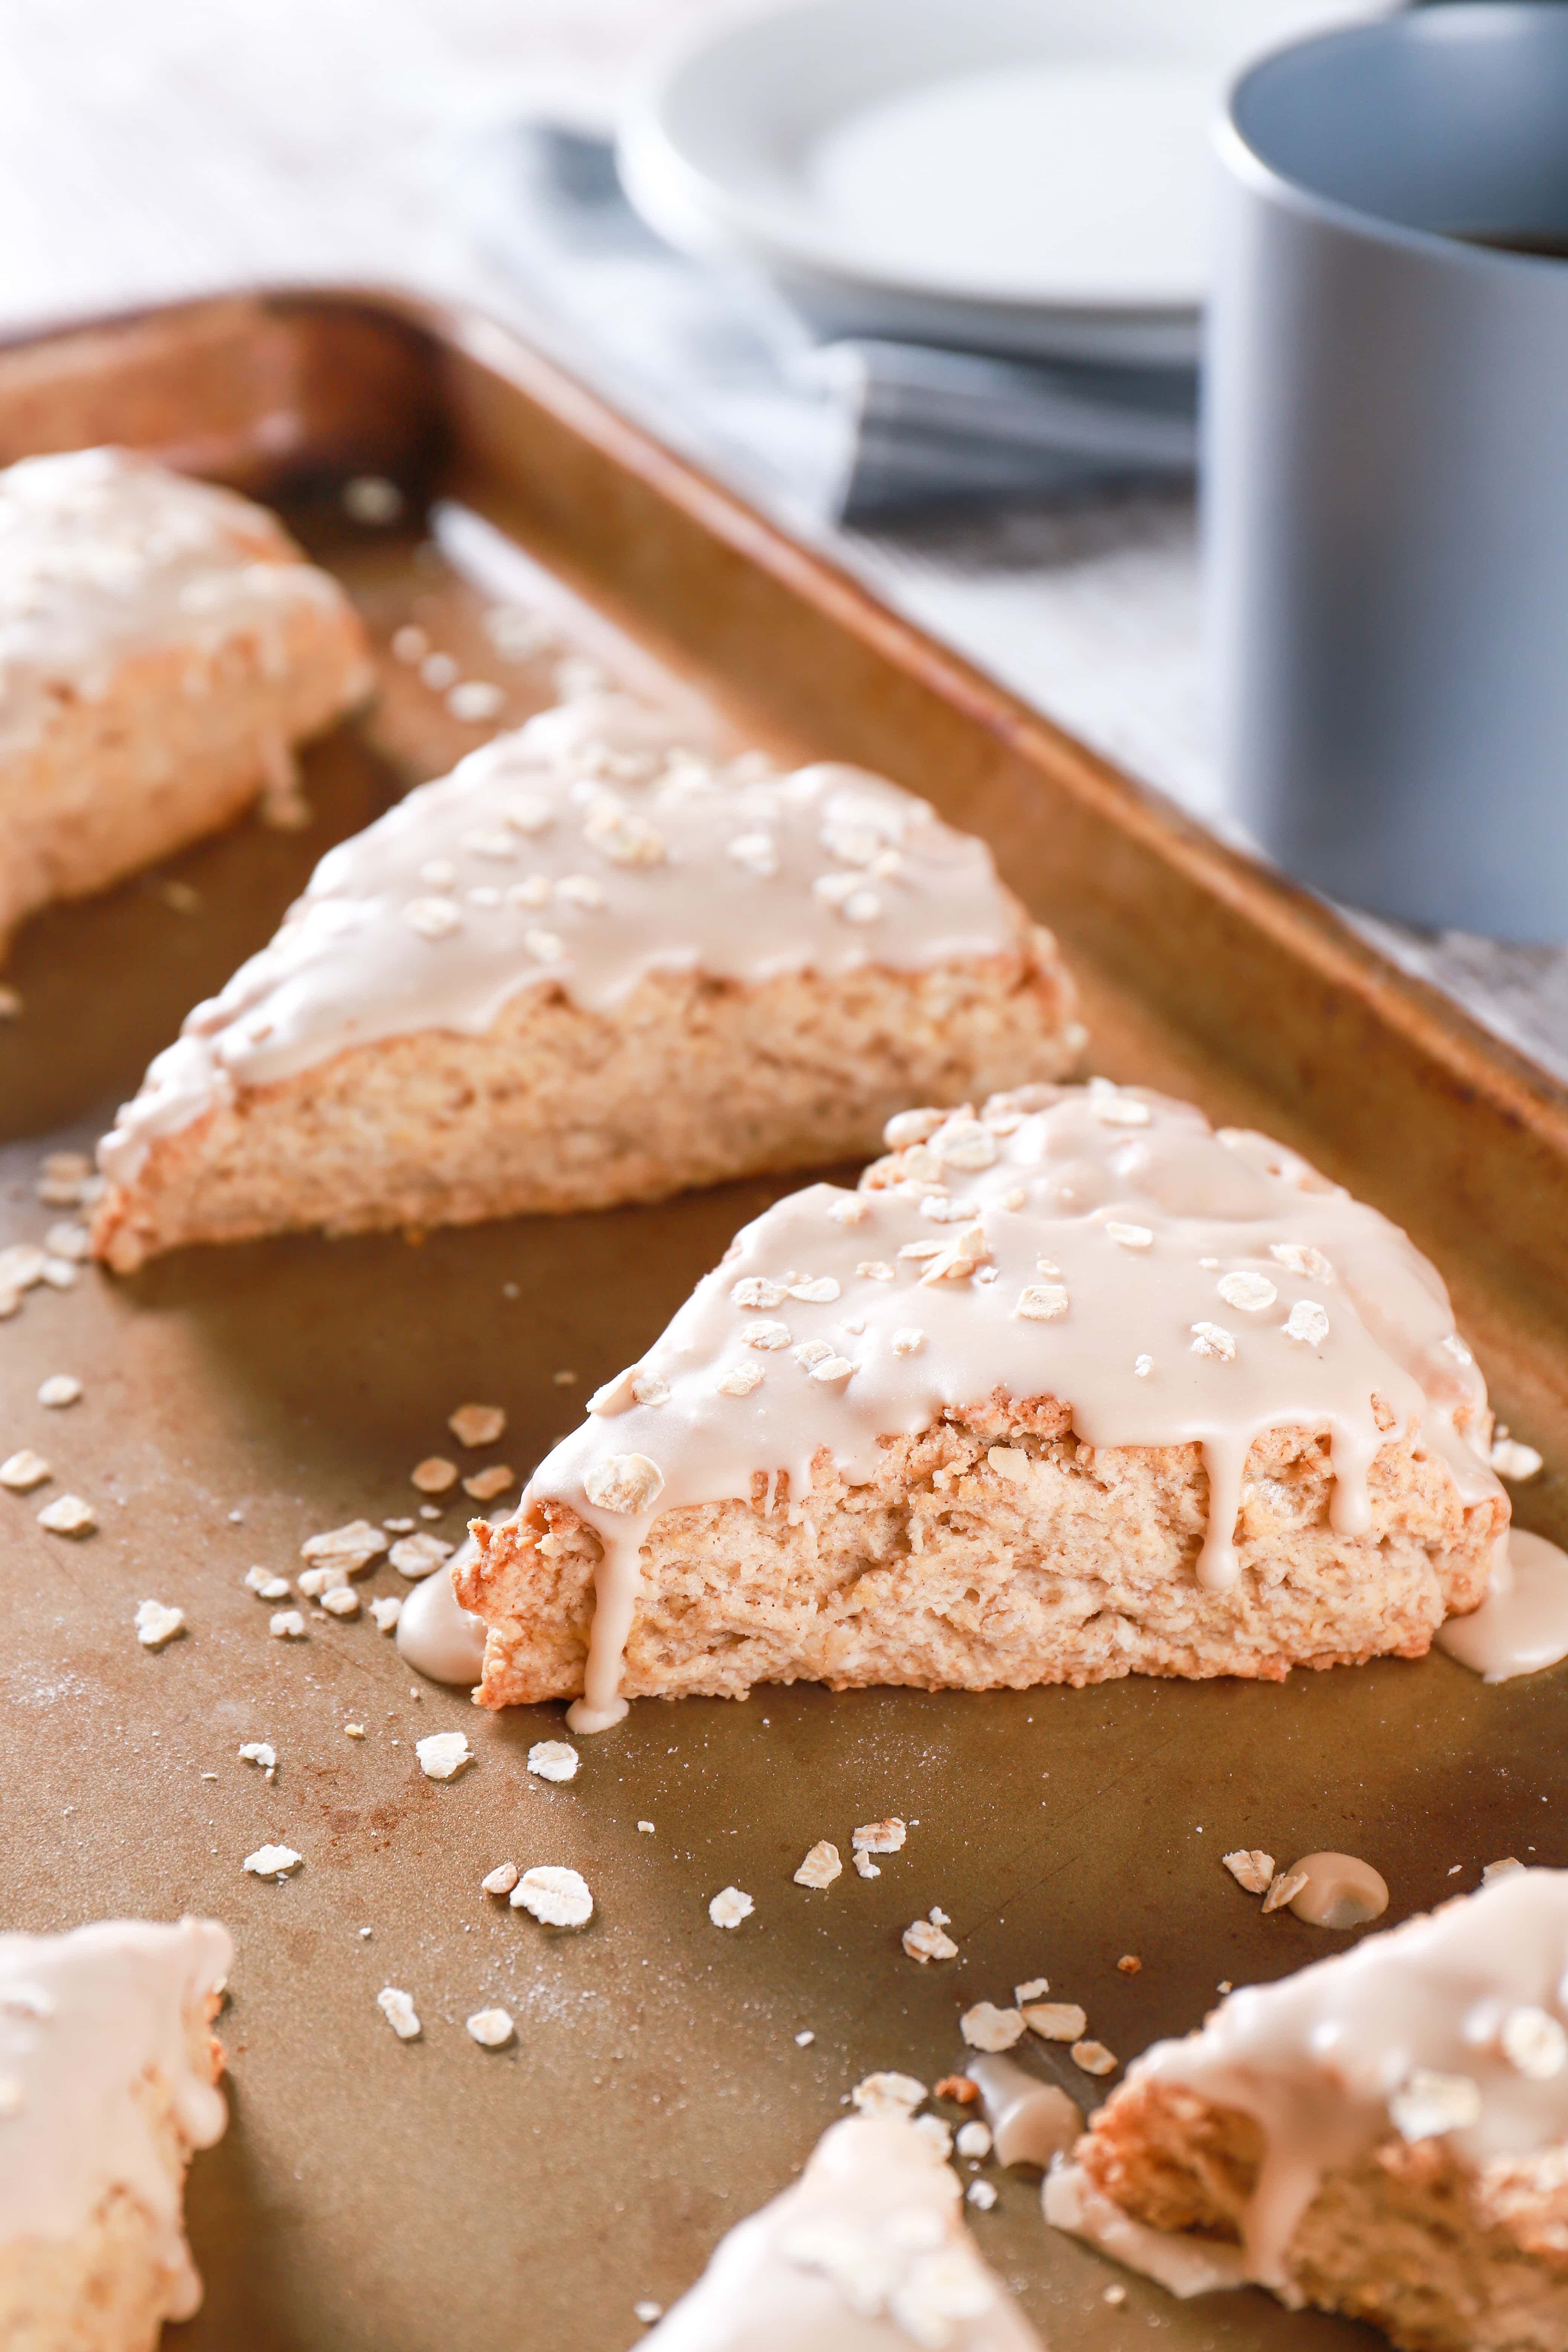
729 1906
477 1424
68 1515
397 2008
923 1940
864 1866
443 1753
973 2142
1515 1462
646 1828
434 1475
387 1609
1093 2057
647 2311
981 2194
486 1484
286 1626
417 1556
349 1549
1285 1888
821 1866
880 1837
265 1585
986 2027
554 1896
262 1752
156 1623
958 2087
354 1731
1035 1989
24 1470
500 1880
60 1388
1251 1868
430 1510
1129 1965
803 2040
1499 1869
564 1379
273 1862
554 1759
490 2027
341 1601
887 2093
399 1526
1054 2020
1114 2295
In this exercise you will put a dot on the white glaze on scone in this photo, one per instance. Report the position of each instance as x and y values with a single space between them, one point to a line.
84 2018
1459 2015
104 554
868 2249
1104 1247
585 851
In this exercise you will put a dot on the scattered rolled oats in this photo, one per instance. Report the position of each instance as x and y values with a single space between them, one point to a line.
486 1484
69 1240
273 1862
63 1387
1132 1237
313 1582
1130 1965
1427 2104
986 2027
286 1625
342 1600
1248 1293
646 1828
1094 2058
765 1336
156 1624
443 1753
647 2311
262 1752
68 1515
554 1759
555 1897
59 1273
821 1866
1251 1867
624 1482
434 1475
1503 1869
881 1837
420 1556
387 1610
1533 2043
397 2008
399 1526
649 1389
908 1340
624 839
924 1941
932 2128
1286 1886
849 1209
1510 1458
475 699
1035 1989
477 1424
981 2194
502 1879
490 2027
23 1470
876 1269
908 1127
958 1261
1209 1339
354 1731
819 1292
863 1864
922 1250
21 1266
1054 2020
729 1906
265 1585
831 1369
1042 1302
1113 1107
1308 1323
349 1548
740 1379
887 2093
531 892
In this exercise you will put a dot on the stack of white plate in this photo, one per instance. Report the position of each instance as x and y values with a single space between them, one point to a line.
1022 176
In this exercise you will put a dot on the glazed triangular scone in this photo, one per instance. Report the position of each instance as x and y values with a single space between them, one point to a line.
1072 1389
162 645
586 967
866 2253
108 2075
1384 2133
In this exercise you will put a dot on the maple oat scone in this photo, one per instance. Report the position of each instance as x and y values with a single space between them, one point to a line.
1073 1389
588 966
108 2085
866 2252
162 645
1384 2133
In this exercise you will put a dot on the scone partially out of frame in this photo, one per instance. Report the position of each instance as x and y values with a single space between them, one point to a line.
588 966
866 2252
163 646
108 2084
1073 1389
1384 2133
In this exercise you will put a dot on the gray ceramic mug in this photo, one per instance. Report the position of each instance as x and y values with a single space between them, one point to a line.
1386 463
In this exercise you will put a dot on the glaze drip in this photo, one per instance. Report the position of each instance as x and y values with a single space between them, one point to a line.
1095 1244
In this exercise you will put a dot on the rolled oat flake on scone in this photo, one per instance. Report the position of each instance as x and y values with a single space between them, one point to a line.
1128 1484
